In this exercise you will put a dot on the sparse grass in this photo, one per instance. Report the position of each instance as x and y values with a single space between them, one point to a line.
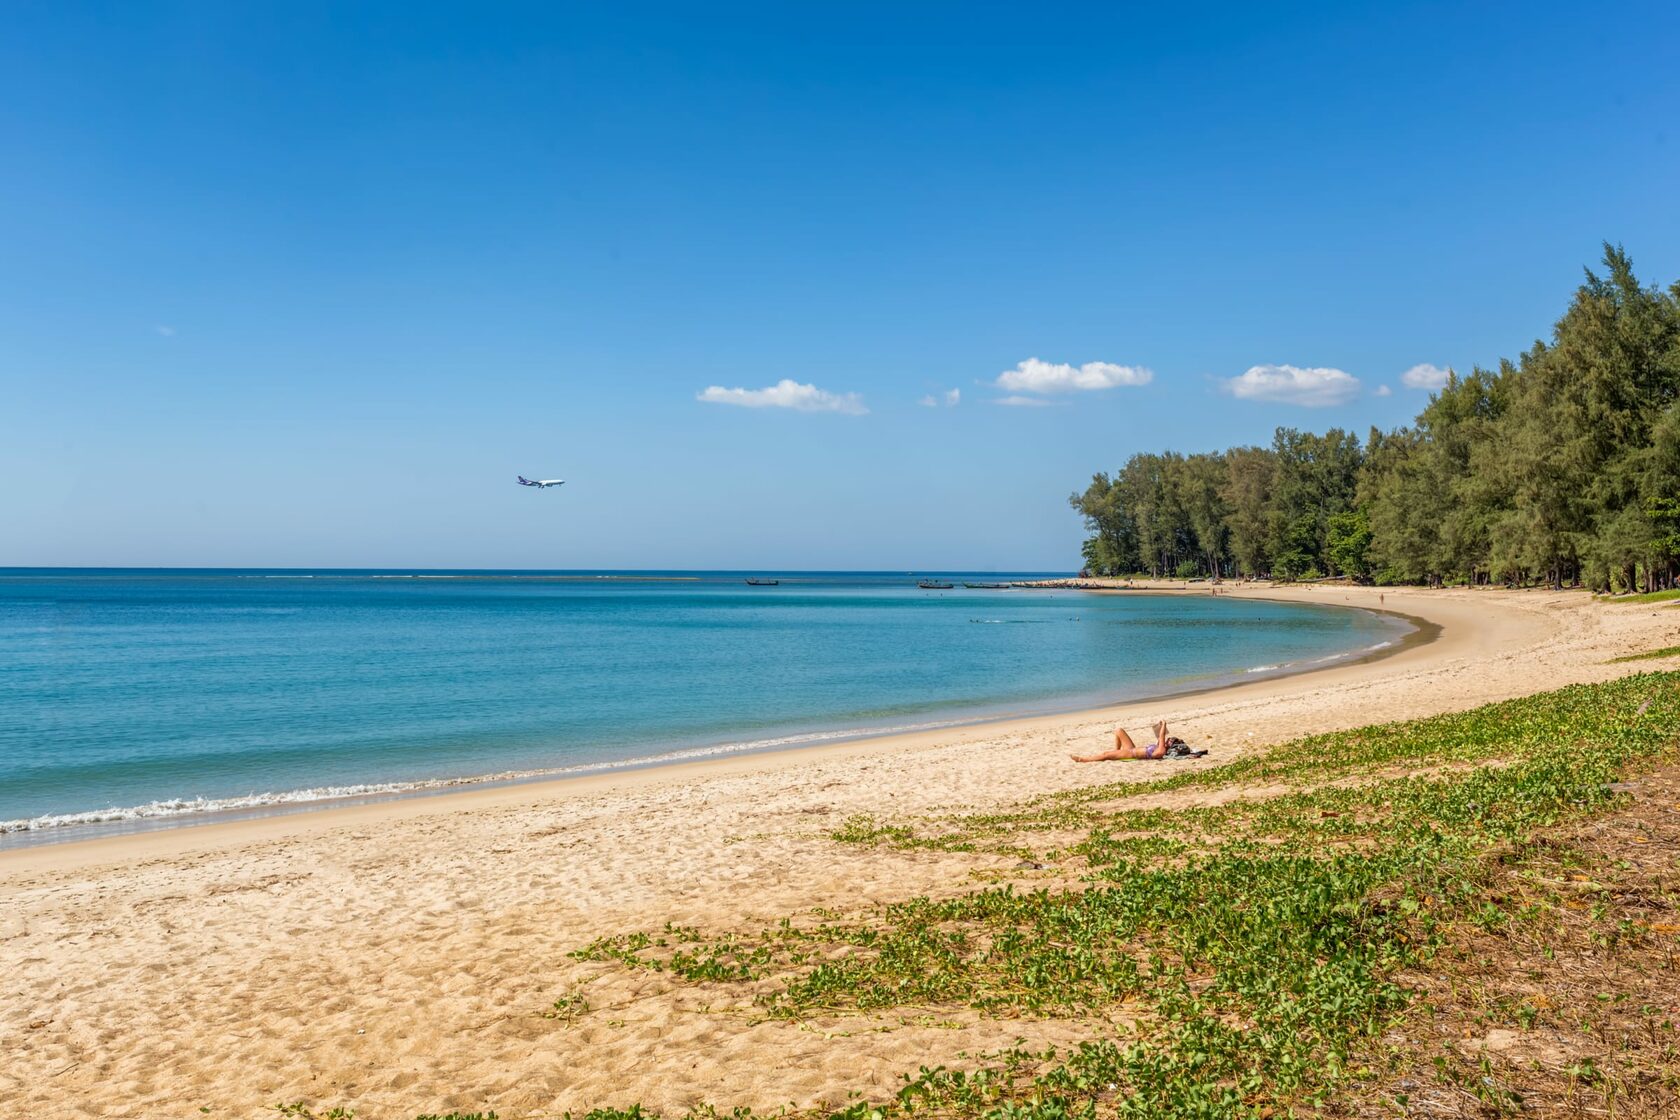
1261 946
1646 597
568 1008
1651 655
1560 993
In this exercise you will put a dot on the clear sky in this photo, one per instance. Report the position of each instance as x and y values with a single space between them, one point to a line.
309 284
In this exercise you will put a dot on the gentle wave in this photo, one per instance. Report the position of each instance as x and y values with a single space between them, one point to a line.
180 807
449 675
1319 660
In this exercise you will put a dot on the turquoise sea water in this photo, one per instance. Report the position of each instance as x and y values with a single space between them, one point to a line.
147 694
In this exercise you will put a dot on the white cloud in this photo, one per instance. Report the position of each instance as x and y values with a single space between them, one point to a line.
1035 376
1022 402
950 398
953 397
786 393
1314 388
928 402
166 332
1382 391
1424 376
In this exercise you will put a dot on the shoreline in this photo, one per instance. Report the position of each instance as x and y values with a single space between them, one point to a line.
400 958
189 832
108 824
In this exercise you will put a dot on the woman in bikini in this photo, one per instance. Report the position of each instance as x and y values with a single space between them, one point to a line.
1125 747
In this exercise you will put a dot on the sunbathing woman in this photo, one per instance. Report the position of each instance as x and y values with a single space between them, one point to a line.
1124 747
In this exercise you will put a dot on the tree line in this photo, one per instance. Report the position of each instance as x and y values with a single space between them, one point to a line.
1562 467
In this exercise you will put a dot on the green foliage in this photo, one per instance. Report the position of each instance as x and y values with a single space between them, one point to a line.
1249 472
1561 467
1260 940
1113 549
1649 597
1663 514
1350 541
1316 479
568 1008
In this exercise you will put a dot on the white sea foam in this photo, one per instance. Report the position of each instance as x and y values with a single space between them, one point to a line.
194 806
1319 661
177 807
181 807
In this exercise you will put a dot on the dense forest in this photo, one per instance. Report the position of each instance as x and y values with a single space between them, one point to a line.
1560 468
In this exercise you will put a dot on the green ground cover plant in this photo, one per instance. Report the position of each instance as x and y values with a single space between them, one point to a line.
1256 946
1647 597
1312 929
1559 995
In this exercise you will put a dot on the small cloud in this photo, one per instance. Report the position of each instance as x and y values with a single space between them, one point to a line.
953 397
950 398
1314 388
1382 391
166 332
1035 376
1022 402
928 402
1425 376
786 393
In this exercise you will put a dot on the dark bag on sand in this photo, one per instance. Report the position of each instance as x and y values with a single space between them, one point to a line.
1178 748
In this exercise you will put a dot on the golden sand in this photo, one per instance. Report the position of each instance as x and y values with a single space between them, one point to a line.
396 957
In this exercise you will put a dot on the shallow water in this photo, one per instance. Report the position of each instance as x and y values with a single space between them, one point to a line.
127 694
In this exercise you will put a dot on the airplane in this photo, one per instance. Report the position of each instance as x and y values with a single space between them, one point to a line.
541 483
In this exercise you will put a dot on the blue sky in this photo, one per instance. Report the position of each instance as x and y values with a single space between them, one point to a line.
309 285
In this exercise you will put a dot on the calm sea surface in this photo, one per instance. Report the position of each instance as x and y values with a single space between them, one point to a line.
145 694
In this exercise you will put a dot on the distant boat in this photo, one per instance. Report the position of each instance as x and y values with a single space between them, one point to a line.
934 585
986 586
764 583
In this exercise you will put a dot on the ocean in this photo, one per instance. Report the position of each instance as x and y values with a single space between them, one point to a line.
165 695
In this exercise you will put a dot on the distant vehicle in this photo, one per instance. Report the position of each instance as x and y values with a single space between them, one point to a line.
934 585
541 483
764 583
986 586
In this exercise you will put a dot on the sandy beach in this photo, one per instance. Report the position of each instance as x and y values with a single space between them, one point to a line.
397 957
